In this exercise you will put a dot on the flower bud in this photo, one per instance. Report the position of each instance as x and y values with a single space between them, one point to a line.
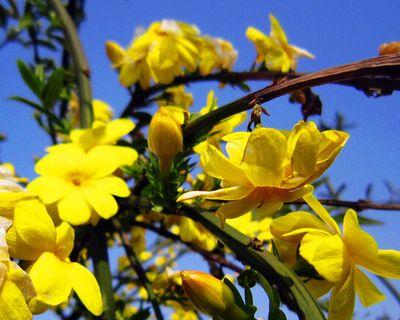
211 296
165 138
389 48
115 53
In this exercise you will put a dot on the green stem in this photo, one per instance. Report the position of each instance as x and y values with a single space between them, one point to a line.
137 266
99 254
80 63
291 289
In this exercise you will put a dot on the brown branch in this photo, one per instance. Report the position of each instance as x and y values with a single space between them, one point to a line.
381 67
365 83
204 253
359 205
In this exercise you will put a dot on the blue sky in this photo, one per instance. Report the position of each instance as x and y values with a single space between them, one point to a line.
336 32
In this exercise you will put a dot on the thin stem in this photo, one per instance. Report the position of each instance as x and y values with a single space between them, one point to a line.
81 65
99 254
385 66
137 266
359 205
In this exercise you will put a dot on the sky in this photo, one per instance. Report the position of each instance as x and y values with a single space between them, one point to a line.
336 32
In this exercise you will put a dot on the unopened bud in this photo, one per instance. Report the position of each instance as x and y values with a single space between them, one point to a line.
389 48
212 296
165 138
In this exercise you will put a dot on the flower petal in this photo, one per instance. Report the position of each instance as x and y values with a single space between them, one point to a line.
368 293
65 240
294 221
85 285
50 279
102 202
386 265
264 156
341 303
12 302
236 208
327 254
217 165
360 244
74 209
113 185
235 145
230 193
50 189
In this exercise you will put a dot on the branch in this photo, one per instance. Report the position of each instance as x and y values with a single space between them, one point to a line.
210 256
359 205
137 266
387 66
366 83
80 63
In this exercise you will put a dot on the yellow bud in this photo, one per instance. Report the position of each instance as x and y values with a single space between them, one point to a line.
389 48
165 138
211 296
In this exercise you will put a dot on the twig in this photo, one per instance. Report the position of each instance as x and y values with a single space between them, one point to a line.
384 66
137 266
204 253
359 205
80 63
367 82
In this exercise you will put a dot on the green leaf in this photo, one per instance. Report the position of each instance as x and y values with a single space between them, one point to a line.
53 88
291 288
29 78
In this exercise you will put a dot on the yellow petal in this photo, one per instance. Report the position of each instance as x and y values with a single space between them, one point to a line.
360 244
281 226
50 279
368 293
235 145
50 189
341 303
86 287
127 156
386 265
264 156
102 202
113 185
277 31
65 240
267 209
115 53
327 254
12 303
101 162
34 228
236 208
230 193
318 288
303 147
319 209
217 165
74 209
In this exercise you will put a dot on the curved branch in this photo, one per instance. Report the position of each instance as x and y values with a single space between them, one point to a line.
80 63
359 205
387 66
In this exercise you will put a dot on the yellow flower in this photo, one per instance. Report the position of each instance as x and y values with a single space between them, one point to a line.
33 237
131 63
174 46
10 191
337 257
277 54
216 53
101 111
165 138
253 226
81 184
16 288
268 167
222 128
177 96
211 296
104 134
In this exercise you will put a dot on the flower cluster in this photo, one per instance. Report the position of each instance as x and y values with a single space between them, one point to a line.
167 49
